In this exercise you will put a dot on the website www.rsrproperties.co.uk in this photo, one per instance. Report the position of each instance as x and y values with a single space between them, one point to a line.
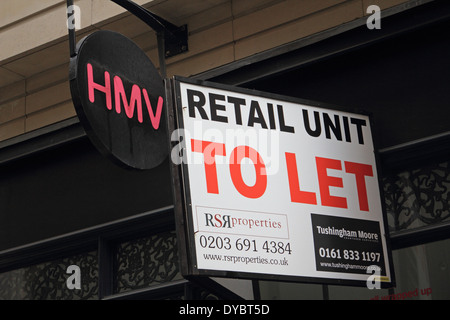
246 260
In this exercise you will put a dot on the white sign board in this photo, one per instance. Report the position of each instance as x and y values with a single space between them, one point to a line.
278 189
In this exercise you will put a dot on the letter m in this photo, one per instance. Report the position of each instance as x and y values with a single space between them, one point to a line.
135 100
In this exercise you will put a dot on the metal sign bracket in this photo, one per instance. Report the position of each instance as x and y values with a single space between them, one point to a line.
172 40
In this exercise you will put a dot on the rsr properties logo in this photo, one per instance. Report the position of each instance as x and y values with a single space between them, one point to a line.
227 221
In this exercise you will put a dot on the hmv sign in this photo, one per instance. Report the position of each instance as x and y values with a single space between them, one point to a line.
119 98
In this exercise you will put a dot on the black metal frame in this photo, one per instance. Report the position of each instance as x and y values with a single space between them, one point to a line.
40 140
414 154
183 208
180 221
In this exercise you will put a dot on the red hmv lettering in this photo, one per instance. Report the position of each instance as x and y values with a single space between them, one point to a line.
135 102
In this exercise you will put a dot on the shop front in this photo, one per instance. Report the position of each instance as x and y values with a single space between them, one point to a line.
63 203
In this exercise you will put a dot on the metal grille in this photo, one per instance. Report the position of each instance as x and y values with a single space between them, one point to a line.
418 197
47 281
147 262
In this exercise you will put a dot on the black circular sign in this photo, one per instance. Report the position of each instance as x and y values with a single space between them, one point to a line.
119 98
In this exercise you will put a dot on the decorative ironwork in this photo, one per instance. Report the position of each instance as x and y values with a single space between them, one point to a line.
147 261
47 281
418 197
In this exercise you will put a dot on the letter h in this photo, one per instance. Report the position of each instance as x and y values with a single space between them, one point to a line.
106 89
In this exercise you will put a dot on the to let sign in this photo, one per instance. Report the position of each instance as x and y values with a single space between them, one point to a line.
277 188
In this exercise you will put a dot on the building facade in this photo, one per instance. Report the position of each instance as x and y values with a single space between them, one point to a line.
63 204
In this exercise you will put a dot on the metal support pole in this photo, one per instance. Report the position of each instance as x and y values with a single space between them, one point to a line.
71 29
161 53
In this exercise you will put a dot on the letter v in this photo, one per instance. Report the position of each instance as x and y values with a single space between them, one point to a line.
155 119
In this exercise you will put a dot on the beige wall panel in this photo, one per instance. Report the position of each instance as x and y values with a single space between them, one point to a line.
129 26
13 10
206 40
102 10
202 62
39 30
47 78
383 4
7 77
199 44
12 129
48 97
12 109
241 8
147 41
12 91
307 26
41 60
176 11
279 14
208 18
44 59
49 116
